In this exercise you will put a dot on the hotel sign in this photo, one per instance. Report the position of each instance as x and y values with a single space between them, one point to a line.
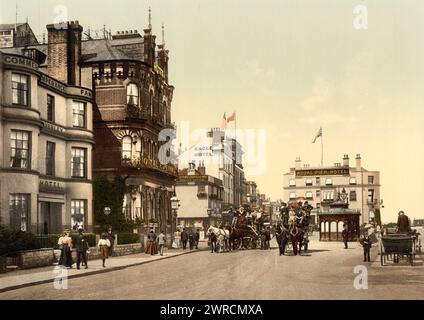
193 178
20 61
51 186
322 172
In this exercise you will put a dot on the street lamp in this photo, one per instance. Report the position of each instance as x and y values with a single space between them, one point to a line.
175 204
106 211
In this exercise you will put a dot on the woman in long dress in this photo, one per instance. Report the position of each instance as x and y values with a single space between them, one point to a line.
104 245
65 243
151 247
177 240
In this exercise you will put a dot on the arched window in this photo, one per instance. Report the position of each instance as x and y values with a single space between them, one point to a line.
138 148
132 94
126 147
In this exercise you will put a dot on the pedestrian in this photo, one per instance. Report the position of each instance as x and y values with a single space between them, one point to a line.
46 228
366 243
284 238
151 247
104 246
263 239
191 239
177 240
161 242
184 238
65 243
82 248
213 242
267 239
197 238
345 235
111 237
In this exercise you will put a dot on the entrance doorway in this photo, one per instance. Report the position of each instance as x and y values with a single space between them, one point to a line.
50 220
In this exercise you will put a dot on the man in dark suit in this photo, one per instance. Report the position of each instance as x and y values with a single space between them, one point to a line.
403 223
345 235
81 247
197 238
184 238
190 236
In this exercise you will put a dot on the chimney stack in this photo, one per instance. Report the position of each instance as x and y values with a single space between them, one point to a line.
298 163
201 168
358 161
64 52
345 160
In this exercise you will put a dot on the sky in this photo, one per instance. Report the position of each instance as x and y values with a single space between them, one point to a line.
288 67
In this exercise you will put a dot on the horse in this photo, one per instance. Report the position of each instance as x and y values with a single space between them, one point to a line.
222 235
235 235
296 236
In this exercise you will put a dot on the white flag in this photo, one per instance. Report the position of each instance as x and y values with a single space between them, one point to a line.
319 134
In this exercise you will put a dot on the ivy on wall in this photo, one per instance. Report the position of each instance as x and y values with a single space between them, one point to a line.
110 193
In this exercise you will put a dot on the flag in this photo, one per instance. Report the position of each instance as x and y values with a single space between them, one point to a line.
232 117
319 134
224 122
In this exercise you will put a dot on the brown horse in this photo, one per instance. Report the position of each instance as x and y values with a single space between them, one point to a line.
296 236
236 235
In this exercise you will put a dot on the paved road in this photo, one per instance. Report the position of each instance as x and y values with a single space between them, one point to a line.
326 272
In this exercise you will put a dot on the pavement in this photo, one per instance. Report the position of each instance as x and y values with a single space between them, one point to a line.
23 278
326 271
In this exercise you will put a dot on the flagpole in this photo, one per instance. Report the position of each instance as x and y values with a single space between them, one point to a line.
322 149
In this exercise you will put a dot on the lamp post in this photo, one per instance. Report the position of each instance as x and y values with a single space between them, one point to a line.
175 204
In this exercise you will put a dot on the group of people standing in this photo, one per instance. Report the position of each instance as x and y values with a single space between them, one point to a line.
155 243
187 236
66 246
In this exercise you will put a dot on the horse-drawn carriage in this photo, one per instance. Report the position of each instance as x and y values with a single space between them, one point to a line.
397 246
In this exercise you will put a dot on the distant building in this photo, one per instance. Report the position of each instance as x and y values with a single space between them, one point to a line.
16 35
251 193
320 186
222 156
201 197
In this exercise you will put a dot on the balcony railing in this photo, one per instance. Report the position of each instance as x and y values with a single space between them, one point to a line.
136 112
151 164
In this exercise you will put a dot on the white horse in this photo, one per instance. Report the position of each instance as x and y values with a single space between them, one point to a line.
222 235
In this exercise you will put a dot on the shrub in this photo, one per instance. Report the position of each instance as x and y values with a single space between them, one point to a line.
11 241
128 238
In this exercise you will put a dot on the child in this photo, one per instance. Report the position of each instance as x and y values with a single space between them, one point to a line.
104 245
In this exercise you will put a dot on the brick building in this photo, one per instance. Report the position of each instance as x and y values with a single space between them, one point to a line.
133 105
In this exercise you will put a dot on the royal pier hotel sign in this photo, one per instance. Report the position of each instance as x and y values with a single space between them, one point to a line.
322 172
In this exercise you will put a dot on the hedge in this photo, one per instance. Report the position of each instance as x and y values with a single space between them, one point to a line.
128 238
11 241
50 241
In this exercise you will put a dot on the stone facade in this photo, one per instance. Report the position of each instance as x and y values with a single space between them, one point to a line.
321 185
46 141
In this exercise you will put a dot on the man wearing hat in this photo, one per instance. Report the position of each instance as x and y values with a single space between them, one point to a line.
403 223
81 247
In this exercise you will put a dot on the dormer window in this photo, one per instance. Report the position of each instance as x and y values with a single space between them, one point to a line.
132 94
